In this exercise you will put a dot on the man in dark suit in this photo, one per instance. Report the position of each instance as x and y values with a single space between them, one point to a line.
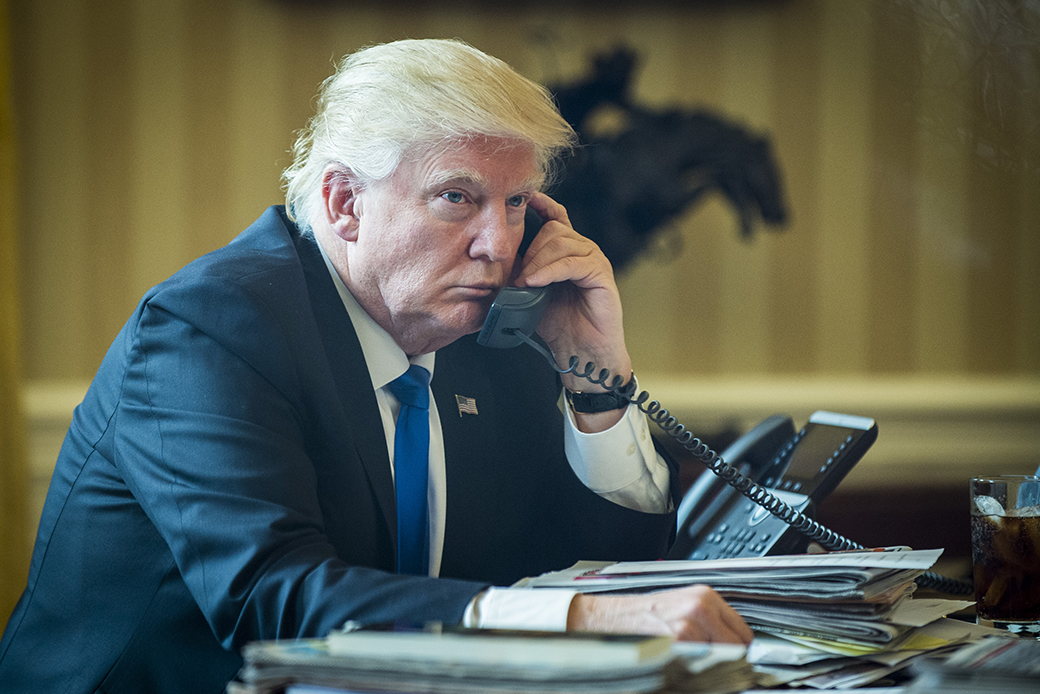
231 474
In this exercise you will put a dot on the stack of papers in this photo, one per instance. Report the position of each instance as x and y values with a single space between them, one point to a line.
831 665
434 659
871 575
826 621
1005 665
454 660
709 668
851 597
829 621
300 666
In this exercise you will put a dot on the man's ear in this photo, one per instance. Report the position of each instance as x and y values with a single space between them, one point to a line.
339 190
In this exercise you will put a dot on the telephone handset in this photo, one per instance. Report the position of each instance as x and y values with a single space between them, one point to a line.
796 469
515 311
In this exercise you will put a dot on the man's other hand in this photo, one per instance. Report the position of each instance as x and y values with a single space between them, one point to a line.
692 613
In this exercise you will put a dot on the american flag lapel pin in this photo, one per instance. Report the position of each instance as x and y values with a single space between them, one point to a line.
466 405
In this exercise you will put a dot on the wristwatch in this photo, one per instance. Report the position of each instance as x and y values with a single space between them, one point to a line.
591 403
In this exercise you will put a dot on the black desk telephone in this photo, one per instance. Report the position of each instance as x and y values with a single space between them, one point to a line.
762 495
799 468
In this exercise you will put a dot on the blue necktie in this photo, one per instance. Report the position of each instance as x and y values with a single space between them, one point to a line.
411 462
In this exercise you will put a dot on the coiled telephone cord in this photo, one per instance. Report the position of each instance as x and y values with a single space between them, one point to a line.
759 494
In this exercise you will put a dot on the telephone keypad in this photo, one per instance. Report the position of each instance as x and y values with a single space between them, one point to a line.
746 531
741 542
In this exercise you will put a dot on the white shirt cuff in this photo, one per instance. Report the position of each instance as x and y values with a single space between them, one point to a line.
544 609
621 463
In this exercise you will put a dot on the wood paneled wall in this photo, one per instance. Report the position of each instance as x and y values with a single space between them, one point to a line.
151 132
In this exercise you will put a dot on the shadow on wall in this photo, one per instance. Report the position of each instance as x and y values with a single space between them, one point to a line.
627 181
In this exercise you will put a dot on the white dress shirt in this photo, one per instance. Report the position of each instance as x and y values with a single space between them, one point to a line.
620 464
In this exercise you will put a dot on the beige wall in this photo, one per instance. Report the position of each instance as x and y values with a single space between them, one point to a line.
152 132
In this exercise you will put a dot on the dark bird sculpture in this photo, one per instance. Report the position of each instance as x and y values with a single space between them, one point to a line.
622 188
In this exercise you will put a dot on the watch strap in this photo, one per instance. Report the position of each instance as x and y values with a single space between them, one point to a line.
591 403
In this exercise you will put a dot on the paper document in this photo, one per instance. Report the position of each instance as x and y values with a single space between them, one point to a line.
880 559
834 576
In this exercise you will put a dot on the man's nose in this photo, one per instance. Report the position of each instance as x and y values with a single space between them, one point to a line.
497 237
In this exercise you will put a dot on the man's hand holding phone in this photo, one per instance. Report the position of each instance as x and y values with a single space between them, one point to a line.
584 318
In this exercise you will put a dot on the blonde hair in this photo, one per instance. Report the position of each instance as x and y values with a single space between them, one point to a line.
389 100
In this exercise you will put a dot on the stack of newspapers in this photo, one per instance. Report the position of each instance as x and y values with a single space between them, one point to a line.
435 659
829 620
826 621
989 666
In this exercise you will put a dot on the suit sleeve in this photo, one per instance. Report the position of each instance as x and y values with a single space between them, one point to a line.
211 434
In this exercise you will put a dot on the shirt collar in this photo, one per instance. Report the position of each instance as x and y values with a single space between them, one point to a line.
385 358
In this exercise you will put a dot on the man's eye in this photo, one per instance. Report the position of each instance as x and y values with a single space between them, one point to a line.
453 196
517 201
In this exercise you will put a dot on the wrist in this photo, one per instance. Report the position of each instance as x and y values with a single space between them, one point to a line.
595 401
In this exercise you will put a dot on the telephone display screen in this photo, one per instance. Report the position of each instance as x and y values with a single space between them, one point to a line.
823 453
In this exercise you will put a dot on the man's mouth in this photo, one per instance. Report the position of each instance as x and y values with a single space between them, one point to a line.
480 289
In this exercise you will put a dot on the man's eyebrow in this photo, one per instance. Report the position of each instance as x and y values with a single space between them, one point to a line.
471 176
462 175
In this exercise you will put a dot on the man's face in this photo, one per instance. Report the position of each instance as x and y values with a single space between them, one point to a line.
438 239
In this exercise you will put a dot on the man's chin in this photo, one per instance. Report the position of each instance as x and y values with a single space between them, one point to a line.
476 311
468 319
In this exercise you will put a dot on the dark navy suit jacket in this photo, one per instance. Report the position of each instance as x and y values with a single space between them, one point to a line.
226 479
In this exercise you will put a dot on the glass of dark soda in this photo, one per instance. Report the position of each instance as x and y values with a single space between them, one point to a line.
1005 547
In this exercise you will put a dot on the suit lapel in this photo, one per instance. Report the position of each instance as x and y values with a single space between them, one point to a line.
484 473
347 363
